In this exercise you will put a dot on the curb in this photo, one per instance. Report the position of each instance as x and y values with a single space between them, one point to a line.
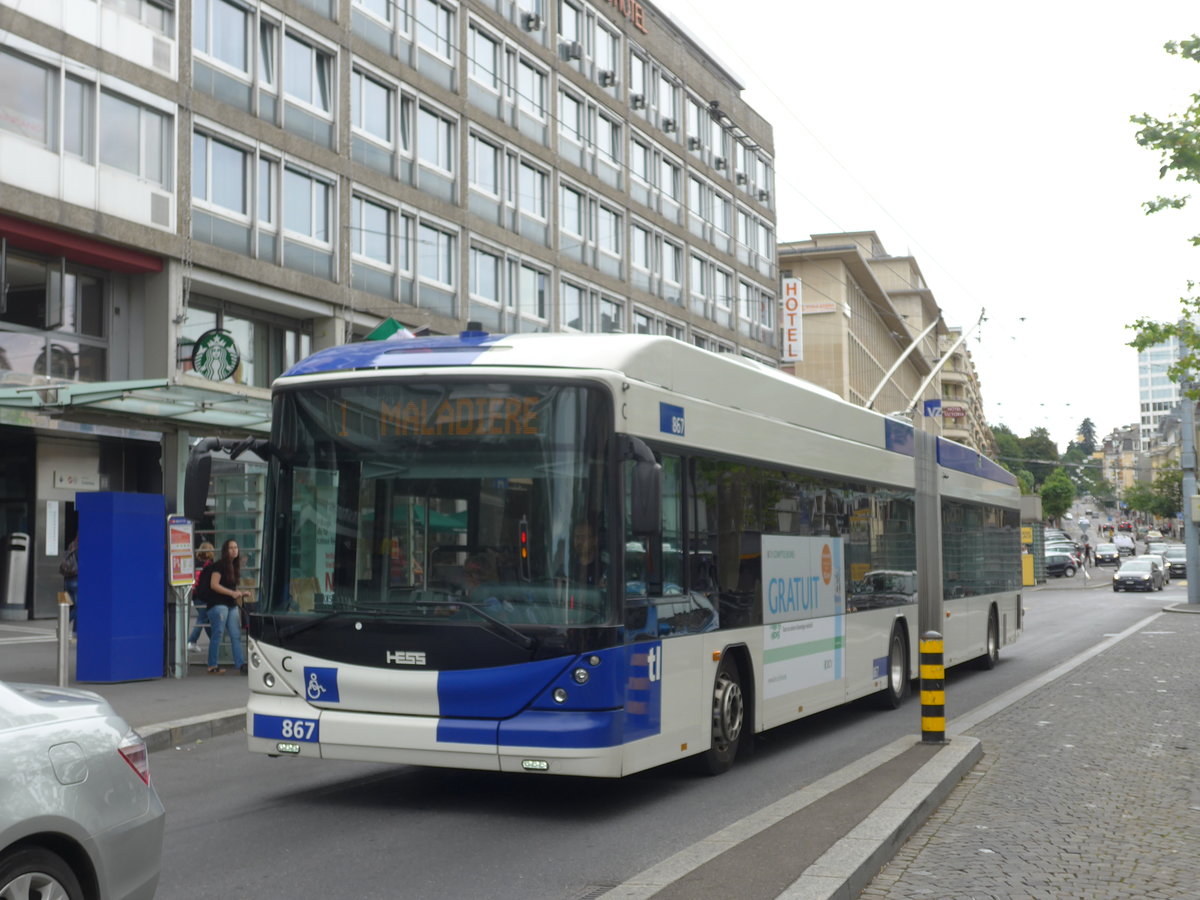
845 870
164 735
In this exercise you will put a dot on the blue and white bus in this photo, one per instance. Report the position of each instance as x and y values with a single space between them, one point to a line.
594 554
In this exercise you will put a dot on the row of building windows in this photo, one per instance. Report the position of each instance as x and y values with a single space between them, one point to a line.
98 123
387 240
224 40
63 111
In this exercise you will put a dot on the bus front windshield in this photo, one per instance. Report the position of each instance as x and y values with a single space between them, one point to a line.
441 501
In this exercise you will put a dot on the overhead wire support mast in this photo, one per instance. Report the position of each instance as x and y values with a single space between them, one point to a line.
941 362
900 361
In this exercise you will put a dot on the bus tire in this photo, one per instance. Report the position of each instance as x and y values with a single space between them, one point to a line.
991 655
897 671
728 719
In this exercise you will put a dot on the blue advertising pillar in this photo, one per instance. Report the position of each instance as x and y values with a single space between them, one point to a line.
122 579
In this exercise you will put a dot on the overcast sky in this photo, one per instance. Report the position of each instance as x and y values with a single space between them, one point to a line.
992 143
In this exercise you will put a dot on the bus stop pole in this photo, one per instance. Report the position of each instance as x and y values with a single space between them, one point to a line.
1187 463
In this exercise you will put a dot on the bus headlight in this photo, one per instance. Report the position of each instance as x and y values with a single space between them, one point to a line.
560 695
581 676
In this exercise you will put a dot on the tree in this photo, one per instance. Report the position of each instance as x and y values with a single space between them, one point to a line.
1040 446
1176 139
1087 434
1057 492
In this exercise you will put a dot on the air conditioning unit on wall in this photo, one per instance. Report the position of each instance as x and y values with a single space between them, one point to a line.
608 78
532 22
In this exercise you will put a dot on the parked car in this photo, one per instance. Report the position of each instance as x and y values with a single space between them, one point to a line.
1060 562
1107 555
1176 555
79 817
1138 574
1068 546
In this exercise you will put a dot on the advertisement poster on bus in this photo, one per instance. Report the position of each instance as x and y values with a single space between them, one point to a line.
804 607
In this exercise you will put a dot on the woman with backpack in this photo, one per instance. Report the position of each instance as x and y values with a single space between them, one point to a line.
222 580
204 555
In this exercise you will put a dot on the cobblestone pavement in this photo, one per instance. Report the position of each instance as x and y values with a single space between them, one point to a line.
1087 787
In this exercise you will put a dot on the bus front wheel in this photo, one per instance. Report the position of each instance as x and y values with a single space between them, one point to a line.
897 671
728 718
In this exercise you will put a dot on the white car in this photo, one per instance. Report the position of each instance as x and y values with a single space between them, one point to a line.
79 818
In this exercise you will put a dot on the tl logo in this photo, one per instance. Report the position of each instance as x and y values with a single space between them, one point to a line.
654 663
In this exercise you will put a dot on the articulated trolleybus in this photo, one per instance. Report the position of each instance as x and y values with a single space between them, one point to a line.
594 554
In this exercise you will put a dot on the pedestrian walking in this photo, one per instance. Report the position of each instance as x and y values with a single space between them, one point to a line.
224 602
1087 553
69 569
204 555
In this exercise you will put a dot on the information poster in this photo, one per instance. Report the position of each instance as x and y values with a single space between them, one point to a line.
804 612
179 546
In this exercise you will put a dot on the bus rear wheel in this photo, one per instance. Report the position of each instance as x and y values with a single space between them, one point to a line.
991 655
728 718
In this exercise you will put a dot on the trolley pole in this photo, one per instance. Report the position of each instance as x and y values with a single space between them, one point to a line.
1187 462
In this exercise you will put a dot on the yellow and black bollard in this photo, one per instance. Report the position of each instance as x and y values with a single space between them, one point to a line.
933 689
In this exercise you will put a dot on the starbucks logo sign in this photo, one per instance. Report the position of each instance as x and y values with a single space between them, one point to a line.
215 355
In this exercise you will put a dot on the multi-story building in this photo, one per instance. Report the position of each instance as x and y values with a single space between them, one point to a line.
861 309
1158 394
962 399
1121 457
196 193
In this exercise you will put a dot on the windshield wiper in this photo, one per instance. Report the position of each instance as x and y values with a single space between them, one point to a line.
506 631
298 627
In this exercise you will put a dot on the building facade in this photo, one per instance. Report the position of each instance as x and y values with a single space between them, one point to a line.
860 311
1158 393
285 176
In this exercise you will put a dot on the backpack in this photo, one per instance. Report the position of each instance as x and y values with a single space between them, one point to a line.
69 567
202 590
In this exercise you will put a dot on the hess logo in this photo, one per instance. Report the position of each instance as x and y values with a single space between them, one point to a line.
406 657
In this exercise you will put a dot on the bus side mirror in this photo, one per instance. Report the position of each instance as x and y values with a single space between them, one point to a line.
195 481
646 498
645 489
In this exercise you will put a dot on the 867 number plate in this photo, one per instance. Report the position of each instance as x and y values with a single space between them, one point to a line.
287 728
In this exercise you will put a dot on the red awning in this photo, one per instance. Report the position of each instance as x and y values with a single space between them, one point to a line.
85 250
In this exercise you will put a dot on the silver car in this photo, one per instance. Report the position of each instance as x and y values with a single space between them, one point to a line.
78 815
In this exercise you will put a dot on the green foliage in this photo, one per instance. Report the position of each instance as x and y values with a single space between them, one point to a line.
1057 493
1025 479
1176 139
1162 499
1039 446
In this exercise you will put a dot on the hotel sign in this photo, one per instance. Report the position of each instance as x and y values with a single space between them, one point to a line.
633 12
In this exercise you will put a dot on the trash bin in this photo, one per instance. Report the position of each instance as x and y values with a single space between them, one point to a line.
16 577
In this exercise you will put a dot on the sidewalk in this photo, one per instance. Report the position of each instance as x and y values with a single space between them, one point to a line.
165 711
1087 787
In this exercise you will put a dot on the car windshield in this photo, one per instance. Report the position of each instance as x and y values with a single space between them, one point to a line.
1176 553
1137 565
1106 548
